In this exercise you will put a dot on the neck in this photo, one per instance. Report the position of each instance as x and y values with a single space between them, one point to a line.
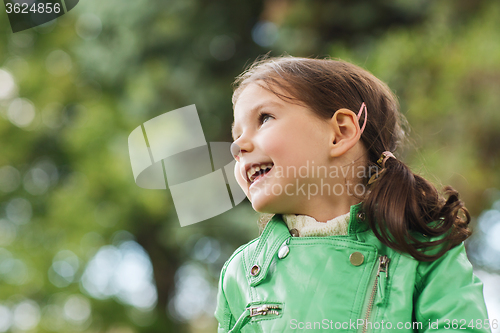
325 210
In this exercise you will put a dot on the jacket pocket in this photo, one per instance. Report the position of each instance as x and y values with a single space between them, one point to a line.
257 311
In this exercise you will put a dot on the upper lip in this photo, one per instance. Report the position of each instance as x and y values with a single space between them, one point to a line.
252 164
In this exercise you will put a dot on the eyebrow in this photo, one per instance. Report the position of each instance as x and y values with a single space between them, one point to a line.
257 108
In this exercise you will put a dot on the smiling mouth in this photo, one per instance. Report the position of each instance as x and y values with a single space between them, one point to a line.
257 172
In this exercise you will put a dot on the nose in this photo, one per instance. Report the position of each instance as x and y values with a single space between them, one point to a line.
240 146
235 150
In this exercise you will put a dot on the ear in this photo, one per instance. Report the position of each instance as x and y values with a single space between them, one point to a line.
345 132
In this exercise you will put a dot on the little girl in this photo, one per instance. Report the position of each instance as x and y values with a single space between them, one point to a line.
357 242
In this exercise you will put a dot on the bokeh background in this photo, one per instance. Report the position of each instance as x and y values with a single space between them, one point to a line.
83 249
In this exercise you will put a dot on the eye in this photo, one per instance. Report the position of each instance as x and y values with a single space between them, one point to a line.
263 117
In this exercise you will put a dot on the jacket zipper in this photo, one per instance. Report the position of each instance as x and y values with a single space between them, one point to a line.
254 311
264 310
378 285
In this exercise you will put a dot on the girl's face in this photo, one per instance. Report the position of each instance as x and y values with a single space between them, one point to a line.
290 139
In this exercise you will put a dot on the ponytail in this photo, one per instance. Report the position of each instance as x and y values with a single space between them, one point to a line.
401 206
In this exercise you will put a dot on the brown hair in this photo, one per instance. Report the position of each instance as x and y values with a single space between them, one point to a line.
401 202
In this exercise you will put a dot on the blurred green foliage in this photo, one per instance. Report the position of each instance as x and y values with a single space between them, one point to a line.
84 82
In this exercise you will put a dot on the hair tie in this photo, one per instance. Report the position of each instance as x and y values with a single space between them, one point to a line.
381 161
383 157
366 115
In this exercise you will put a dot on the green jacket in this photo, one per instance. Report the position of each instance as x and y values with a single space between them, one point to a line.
351 283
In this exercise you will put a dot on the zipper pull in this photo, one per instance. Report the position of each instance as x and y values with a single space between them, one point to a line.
264 310
382 276
253 311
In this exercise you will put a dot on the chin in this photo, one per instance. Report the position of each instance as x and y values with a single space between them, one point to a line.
266 205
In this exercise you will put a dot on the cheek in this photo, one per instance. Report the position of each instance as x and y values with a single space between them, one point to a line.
277 145
284 150
239 177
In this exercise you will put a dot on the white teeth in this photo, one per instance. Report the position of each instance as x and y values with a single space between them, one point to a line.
251 173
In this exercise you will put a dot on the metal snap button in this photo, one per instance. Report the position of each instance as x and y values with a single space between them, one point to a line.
283 252
361 216
255 270
294 232
356 258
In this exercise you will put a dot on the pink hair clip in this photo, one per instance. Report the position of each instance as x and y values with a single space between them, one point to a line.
363 106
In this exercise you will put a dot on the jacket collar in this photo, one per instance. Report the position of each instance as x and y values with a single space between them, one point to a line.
357 221
276 233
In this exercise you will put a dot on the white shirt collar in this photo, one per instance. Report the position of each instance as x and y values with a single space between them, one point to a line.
308 226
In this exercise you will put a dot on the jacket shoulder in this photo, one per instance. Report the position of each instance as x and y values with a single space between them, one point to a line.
236 257
447 290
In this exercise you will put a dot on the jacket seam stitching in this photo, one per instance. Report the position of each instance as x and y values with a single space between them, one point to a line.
250 289
366 247
253 298
268 258
243 257
227 312
262 239
323 240
241 249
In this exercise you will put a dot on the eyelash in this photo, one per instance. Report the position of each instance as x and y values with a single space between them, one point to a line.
261 116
